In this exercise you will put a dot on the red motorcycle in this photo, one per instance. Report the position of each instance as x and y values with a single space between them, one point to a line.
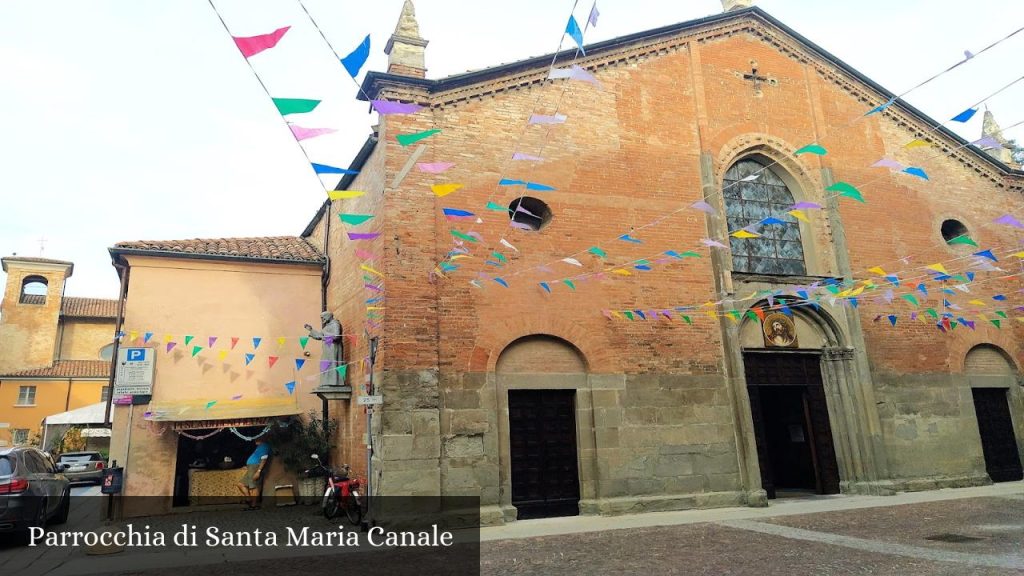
340 493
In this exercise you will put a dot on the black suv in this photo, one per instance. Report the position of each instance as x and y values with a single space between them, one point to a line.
33 490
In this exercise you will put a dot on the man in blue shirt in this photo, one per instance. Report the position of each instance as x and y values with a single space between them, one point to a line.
250 484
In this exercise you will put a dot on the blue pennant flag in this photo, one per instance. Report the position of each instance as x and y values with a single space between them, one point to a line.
355 60
290 386
545 286
629 238
538 187
573 30
325 169
965 115
502 282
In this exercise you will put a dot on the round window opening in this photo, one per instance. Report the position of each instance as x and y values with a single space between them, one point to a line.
952 229
528 213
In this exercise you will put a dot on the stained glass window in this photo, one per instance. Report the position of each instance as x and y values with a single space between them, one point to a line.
778 250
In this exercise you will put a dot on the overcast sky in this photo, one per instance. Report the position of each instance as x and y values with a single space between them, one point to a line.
139 119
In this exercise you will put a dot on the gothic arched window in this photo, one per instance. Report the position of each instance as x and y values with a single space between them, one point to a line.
778 250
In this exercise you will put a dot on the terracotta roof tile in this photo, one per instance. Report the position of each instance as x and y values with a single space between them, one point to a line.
66 369
284 248
88 307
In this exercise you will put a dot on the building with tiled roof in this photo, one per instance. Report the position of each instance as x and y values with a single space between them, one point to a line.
282 249
55 350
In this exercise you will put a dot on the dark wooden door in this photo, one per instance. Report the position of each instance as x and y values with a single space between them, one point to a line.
998 443
542 446
791 427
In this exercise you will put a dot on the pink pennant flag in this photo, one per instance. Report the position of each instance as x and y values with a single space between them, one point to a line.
574 72
888 163
434 167
364 255
712 243
522 156
520 225
253 45
301 133
388 107
545 119
703 207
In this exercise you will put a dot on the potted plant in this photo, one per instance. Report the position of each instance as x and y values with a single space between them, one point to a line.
295 443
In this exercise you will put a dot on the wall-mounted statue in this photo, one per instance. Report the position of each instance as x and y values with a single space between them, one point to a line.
334 347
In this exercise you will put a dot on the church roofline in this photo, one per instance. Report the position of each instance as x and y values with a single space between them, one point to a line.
374 82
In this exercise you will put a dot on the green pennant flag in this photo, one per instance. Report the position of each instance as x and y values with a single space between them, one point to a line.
210 404
963 239
931 312
597 252
690 254
496 207
368 278
847 190
687 318
499 256
1001 314
832 288
569 283
303 340
960 278
750 314
996 323
188 339
735 314
407 139
195 350
355 219
465 237
372 315
911 298
288 106
812 149
342 370
628 314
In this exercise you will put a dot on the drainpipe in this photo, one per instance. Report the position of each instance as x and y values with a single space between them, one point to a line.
326 276
123 270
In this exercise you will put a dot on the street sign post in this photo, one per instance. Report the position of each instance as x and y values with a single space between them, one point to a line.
134 376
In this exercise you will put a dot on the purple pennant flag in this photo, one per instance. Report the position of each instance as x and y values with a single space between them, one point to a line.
213 340
325 365
575 72
372 287
592 19
545 119
328 340
805 206
362 235
712 243
522 156
987 142
388 107
434 167
1009 221
171 345
703 207
520 225
888 163
236 397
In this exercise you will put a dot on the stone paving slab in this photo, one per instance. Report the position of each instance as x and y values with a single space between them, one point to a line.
698 549
992 525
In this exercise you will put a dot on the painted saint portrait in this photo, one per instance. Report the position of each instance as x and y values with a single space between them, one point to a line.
779 331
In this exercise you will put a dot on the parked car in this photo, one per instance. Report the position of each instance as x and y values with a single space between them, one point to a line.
83 466
33 490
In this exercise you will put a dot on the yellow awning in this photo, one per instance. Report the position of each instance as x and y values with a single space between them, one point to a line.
224 409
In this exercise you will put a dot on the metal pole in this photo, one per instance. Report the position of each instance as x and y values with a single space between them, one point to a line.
326 415
369 437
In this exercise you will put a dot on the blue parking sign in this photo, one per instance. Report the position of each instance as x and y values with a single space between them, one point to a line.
136 355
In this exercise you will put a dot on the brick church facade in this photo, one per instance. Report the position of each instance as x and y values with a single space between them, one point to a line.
542 404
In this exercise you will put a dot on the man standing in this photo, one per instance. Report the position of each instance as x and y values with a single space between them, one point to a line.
250 484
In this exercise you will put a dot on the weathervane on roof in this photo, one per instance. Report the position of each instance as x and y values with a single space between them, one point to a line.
42 245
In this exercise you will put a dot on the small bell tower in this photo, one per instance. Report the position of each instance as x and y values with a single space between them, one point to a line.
406 49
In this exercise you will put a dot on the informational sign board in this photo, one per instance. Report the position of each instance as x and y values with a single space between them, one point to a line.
134 372
369 400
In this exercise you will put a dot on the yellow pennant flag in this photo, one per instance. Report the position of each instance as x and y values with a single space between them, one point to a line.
938 268
133 335
621 272
280 341
1018 254
916 143
712 314
799 215
366 268
444 189
877 270
374 307
458 256
222 355
343 194
856 291
744 234
619 316
976 302
168 338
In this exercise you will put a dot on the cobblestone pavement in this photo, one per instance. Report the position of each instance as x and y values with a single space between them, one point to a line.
973 531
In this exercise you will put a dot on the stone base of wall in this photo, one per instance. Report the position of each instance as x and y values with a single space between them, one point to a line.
937 482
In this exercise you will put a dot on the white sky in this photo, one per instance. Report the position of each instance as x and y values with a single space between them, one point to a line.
138 119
